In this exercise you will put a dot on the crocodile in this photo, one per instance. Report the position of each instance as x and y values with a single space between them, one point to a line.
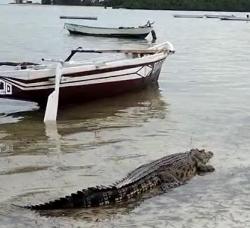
165 173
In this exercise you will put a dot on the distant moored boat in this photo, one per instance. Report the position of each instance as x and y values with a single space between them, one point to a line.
218 16
139 32
188 16
78 17
235 18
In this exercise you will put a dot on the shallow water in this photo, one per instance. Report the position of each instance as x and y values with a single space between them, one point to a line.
202 101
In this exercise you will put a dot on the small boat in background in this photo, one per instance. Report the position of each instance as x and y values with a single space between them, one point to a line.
203 16
188 16
139 32
235 18
218 16
78 17
80 81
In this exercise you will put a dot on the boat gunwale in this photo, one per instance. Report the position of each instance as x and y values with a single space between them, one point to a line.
110 28
146 59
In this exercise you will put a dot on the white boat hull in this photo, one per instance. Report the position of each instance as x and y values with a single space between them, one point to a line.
84 81
138 32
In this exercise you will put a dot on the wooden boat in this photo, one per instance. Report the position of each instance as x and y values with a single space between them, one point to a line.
124 32
188 16
80 81
78 17
235 18
218 16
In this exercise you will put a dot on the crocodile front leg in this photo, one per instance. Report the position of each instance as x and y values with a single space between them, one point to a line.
169 181
203 169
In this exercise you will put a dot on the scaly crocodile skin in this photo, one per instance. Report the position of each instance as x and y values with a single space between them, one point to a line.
167 172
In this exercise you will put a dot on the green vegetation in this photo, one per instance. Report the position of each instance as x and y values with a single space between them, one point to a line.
206 5
209 5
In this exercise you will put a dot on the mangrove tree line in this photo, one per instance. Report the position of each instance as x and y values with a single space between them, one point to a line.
206 5
210 5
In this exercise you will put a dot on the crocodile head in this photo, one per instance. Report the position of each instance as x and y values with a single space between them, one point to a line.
201 156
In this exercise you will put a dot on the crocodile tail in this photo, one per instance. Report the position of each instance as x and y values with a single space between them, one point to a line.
91 197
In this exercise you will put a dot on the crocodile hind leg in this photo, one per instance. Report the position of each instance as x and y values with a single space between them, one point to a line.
203 169
168 181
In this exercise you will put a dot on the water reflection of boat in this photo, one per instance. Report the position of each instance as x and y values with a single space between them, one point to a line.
129 110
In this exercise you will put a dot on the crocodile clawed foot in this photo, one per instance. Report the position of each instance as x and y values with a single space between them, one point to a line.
202 170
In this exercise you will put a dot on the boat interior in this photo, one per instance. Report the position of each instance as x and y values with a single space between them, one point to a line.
107 57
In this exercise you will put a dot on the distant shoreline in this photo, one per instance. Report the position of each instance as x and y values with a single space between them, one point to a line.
13 3
187 10
176 5
142 8
184 5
